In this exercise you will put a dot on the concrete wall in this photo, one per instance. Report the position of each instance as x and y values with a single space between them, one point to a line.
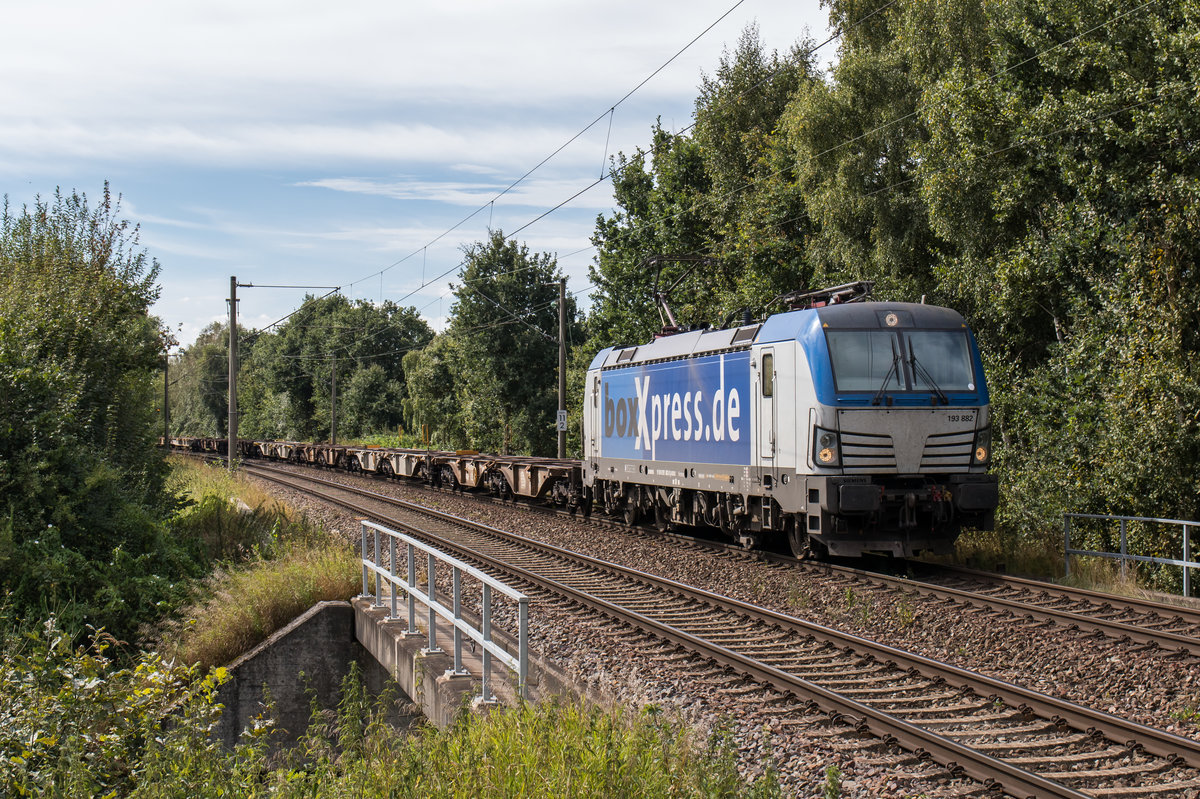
309 656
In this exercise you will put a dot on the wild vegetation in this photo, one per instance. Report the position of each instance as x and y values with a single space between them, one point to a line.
1030 163
268 563
77 723
83 503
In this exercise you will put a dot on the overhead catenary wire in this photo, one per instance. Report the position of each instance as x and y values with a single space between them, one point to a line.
879 128
565 144
491 203
749 184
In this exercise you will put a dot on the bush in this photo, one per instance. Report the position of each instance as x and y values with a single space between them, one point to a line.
75 725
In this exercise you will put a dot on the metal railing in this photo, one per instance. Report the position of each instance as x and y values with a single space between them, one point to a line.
1186 563
412 590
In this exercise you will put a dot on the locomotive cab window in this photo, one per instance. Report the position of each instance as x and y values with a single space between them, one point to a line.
915 360
863 359
945 359
768 375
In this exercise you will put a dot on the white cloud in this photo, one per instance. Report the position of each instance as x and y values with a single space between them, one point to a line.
230 117
535 193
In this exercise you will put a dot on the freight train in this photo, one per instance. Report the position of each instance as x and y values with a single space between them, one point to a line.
842 427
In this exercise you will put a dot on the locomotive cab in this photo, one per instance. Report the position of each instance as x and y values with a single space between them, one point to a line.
900 437
843 429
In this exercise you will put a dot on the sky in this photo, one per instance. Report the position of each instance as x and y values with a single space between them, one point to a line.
354 144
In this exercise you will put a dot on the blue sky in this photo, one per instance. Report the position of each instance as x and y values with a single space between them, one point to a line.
322 143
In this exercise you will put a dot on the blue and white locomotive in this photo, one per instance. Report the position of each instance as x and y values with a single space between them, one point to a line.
846 426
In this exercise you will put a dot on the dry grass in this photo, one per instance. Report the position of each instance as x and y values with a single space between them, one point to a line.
195 479
994 551
274 564
245 605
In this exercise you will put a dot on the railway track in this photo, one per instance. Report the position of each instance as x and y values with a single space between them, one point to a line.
1173 628
1025 742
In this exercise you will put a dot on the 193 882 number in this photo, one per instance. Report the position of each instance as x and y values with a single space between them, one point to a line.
960 417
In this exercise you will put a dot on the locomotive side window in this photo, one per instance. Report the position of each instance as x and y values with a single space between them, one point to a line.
862 359
768 375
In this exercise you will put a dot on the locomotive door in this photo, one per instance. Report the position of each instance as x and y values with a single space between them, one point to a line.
595 419
766 406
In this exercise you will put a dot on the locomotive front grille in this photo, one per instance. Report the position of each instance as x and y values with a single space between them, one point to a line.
866 452
906 441
947 451
863 453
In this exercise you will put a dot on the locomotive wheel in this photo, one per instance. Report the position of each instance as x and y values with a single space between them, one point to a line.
661 518
630 512
803 547
799 542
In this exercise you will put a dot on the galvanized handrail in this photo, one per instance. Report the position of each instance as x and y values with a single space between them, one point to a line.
1187 563
483 636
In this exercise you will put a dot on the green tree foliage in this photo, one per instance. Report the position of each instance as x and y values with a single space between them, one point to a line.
505 330
364 342
199 384
1060 167
285 377
81 484
1032 164
432 403
1029 162
726 192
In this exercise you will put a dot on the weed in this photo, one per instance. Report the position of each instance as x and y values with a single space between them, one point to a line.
905 614
1189 713
242 606
833 782
796 598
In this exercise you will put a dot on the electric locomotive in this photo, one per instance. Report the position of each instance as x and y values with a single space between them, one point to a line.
845 426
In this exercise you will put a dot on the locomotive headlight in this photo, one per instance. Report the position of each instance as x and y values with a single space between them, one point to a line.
827 450
983 448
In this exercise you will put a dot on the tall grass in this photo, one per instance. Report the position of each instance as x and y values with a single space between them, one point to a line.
271 564
77 725
550 750
242 606
995 551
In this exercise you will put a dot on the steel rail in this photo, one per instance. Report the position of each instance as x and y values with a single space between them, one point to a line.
945 751
1070 619
1186 614
1117 630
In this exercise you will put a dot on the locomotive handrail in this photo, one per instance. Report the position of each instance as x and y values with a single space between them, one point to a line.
453 615
1187 564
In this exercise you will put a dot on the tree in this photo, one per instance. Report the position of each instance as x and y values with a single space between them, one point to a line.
432 405
200 393
728 192
286 376
505 323
1062 170
81 483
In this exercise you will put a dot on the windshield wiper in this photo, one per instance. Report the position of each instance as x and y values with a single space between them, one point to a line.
924 375
892 370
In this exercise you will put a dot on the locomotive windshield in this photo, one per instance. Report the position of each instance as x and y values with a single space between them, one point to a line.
890 360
